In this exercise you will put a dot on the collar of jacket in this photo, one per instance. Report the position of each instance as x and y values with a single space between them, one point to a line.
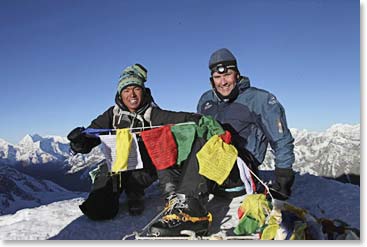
133 118
243 83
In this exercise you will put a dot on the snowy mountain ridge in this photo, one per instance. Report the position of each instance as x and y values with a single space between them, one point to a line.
331 153
35 149
18 190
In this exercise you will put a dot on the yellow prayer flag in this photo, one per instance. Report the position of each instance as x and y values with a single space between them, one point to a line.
257 207
216 159
123 145
269 232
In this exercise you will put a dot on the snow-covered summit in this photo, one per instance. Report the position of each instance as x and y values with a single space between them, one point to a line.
35 149
346 131
332 153
8 152
29 139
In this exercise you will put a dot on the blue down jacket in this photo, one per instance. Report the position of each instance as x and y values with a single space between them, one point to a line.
256 119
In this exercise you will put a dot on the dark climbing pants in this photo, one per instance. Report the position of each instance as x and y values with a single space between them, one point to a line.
103 201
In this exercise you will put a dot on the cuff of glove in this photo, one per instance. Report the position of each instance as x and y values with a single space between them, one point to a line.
284 178
76 134
284 172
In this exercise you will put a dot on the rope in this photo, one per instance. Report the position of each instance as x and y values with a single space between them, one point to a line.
92 131
137 234
130 235
266 187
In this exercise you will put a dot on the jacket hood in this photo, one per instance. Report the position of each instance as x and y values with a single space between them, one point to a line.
243 83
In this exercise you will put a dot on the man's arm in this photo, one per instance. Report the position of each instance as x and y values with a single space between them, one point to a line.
162 117
82 143
103 121
274 125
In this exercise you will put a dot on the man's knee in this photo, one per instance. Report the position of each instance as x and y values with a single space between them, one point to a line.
101 204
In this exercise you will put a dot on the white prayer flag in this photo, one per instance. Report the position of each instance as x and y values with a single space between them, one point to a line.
108 143
245 175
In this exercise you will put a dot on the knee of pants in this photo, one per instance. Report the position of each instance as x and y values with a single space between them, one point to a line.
142 178
170 175
169 180
101 204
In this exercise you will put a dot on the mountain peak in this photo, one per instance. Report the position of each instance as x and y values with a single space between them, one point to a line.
344 127
29 139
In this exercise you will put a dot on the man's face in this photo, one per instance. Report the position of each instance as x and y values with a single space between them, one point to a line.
132 96
225 82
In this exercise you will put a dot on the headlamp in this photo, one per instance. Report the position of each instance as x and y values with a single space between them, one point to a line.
220 68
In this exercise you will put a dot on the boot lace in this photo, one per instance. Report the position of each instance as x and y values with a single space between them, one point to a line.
174 203
173 212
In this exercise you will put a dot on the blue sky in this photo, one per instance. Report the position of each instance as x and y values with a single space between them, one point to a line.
60 60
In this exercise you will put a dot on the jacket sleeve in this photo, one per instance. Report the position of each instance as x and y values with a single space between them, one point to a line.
162 117
274 125
204 98
103 121
199 105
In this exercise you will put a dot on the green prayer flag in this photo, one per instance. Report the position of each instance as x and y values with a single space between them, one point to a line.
209 126
246 226
184 135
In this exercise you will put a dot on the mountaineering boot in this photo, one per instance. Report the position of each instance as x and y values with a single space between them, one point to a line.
182 213
135 206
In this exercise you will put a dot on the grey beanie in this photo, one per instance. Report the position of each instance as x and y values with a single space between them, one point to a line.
222 56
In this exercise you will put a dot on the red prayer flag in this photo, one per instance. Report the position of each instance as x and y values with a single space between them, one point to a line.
240 212
226 137
161 146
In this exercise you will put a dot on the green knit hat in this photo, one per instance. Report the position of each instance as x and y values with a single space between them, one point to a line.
132 75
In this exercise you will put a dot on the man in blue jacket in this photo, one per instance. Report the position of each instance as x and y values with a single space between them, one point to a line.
254 116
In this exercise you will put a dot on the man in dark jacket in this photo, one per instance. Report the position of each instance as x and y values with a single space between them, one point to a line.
254 116
134 108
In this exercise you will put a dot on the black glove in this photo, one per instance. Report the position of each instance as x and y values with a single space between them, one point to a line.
284 178
80 142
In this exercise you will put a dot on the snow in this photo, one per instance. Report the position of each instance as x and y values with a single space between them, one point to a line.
19 191
40 223
327 198
63 219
